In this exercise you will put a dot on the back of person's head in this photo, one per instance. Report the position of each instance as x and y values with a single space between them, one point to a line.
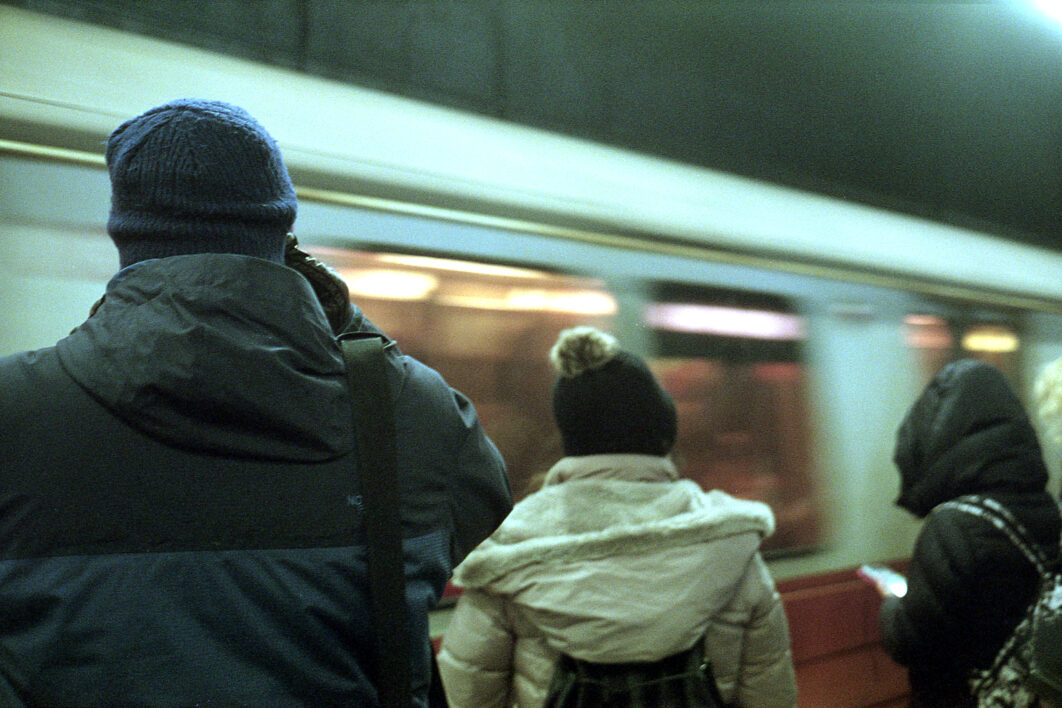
197 176
605 399
967 415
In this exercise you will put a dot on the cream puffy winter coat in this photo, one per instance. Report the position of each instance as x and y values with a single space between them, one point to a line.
617 560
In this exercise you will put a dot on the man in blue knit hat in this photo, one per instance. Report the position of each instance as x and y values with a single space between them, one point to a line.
196 177
179 506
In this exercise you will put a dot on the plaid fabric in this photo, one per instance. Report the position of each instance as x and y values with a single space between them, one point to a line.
681 680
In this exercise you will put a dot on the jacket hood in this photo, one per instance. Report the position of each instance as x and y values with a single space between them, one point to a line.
217 353
967 433
615 555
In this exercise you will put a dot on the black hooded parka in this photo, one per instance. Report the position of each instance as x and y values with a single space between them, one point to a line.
968 585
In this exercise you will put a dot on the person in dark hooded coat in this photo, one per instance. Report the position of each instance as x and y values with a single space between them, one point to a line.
180 516
968 585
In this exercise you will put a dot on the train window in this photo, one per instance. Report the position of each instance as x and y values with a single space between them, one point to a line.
996 344
930 336
488 330
733 364
939 340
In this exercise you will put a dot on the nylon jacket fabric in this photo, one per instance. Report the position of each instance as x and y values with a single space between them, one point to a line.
617 560
968 585
180 520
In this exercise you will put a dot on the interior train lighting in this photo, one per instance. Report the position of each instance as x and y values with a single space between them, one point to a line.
458 266
927 332
382 284
576 302
725 321
590 303
992 340
339 255
925 321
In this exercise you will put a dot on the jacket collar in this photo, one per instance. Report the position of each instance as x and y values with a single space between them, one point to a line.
217 353
627 467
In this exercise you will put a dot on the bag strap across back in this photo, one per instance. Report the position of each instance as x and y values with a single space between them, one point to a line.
999 516
1006 678
374 425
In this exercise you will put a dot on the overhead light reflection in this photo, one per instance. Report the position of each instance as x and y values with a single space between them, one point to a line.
389 284
458 266
995 340
574 302
725 321
925 321
927 332
1051 8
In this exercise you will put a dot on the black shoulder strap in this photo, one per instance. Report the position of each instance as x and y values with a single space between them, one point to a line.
374 424
999 516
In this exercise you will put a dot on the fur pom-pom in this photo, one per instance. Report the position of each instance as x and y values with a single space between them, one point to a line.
580 349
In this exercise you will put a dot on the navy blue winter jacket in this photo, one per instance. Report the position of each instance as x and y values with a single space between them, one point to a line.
179 512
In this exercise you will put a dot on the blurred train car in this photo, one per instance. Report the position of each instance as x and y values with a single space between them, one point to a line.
792 330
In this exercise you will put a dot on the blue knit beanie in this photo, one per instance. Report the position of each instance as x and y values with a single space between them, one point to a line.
197 176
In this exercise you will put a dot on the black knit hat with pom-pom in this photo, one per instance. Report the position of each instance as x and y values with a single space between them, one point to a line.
605 399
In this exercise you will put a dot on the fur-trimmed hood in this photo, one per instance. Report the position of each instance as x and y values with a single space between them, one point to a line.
615 551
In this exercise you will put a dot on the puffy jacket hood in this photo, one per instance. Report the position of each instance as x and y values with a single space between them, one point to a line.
967 433
614 555
218 353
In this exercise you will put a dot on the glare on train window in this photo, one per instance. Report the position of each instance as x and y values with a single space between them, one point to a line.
733 367
488 330
733 364
940 339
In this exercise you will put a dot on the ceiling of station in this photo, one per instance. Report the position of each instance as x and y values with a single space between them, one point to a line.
947 110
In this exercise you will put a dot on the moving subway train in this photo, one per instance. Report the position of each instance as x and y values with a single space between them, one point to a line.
792 330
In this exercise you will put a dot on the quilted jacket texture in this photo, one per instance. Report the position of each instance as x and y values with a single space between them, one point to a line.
617 560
